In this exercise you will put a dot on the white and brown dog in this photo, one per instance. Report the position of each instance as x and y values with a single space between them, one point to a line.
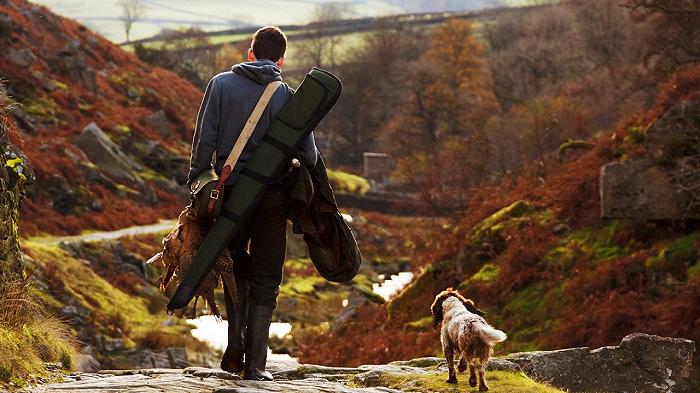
465 333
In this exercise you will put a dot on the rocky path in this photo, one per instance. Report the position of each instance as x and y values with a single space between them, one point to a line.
641 363
290 377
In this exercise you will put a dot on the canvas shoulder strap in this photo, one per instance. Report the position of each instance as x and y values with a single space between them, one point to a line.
238 147
250 125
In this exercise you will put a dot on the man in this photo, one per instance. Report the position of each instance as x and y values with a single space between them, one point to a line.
260 245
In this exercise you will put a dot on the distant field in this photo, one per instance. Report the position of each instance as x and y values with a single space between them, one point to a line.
104 16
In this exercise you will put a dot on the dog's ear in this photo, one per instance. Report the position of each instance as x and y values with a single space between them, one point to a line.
436 308
469 304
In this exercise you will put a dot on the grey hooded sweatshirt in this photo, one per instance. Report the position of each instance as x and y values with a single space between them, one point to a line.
228 101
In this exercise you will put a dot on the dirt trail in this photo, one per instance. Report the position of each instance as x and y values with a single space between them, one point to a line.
161 226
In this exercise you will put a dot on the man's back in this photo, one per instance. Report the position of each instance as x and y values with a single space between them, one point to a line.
228 102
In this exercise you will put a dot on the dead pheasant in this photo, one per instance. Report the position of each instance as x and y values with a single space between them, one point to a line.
180 246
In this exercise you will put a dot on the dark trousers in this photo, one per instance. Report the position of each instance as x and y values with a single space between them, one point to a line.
259 250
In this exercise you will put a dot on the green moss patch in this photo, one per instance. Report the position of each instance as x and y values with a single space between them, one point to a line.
498 381
420 325
586 244
694 271
678 256
488 272
491 225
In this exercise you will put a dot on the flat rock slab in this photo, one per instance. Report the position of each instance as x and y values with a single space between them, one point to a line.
136 383
302 386
641 363
192 380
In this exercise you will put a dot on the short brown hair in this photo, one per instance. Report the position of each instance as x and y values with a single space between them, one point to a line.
269 43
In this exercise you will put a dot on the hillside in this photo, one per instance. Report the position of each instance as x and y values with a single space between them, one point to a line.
547 269
65 77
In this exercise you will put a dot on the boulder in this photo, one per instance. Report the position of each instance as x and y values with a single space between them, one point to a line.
71 62
24 121
158 121
641 363
87 363
7 27
106 154
166 163
113 344
675 134
66 199
21 57
640 189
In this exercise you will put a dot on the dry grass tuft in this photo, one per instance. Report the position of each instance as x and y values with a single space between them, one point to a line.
17 307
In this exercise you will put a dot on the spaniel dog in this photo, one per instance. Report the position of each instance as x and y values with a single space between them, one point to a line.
465 333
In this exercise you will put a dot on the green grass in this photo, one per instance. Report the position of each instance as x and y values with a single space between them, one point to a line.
498 381
112 309
24 352
301 285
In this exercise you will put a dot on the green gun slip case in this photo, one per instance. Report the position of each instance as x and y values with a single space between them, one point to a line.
314 98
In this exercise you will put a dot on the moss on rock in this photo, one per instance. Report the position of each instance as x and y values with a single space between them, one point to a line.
498 381
678 257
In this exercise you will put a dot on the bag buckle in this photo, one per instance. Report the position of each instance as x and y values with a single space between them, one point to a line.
214 194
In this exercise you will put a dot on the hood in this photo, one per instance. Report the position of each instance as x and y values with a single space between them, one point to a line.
261 71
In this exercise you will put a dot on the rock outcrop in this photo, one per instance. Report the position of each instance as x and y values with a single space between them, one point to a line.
158 121
641 363
72 63
106 154
640 189
663 185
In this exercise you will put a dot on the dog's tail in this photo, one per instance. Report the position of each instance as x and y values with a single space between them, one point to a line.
491 335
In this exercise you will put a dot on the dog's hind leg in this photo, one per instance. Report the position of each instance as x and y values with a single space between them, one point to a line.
472 375
450 357
482 380
462 366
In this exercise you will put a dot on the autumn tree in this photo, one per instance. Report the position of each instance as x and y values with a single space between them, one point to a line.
604 30
676 34
363 107
532 52
321 47
227 56
436 134
132 11
186 51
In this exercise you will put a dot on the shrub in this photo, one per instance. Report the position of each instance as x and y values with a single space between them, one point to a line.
347 182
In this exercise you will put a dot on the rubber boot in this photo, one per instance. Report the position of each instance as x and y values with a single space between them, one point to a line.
232 360
256 336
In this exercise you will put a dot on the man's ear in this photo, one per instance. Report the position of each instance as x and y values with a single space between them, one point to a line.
280 62
251 55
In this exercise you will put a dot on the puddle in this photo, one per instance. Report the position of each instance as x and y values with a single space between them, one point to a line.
215 332
392 285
